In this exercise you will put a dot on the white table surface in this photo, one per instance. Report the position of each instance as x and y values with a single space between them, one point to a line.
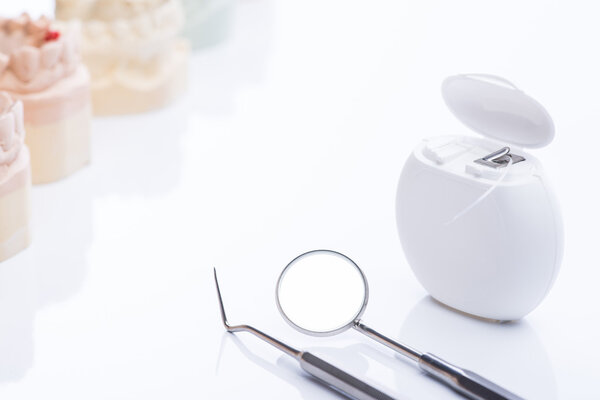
291 137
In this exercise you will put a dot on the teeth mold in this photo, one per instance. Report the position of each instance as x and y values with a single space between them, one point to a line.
207 22
15 179
132 49
40 66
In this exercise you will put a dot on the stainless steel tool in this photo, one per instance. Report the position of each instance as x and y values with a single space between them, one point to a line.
323 293
332 376
500 158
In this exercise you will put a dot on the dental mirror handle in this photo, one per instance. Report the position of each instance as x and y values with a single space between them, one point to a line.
338 379
462 380
320 369
331 375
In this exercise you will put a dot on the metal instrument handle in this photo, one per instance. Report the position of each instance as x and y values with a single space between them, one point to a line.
339 380
464 381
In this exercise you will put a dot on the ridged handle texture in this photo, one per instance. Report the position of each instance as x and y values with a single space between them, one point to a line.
340 380
464 381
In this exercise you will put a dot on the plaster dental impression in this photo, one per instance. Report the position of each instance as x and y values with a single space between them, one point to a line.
15 179
39 65
132 49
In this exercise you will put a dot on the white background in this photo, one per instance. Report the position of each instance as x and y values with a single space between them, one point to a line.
292 137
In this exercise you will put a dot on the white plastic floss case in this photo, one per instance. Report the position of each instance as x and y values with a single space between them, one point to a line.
478 221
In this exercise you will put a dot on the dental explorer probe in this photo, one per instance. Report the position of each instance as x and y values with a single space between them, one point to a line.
339 380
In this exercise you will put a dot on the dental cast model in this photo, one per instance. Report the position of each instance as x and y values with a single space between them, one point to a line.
478 221
131 48
15 179
207 22
40 66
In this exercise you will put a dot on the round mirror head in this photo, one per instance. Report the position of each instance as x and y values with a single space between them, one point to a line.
322 292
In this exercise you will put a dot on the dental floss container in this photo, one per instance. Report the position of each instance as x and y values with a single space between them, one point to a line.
478 221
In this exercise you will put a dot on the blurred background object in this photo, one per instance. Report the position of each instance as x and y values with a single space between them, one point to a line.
207 22
133 50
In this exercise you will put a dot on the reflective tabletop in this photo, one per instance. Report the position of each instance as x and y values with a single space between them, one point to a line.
291 137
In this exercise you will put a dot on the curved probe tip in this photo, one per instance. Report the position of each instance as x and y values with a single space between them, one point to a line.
223 316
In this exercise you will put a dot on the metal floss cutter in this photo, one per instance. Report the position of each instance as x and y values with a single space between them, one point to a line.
499 158
479 225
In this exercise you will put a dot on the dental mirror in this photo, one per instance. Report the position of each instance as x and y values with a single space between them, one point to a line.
337 296
323 293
